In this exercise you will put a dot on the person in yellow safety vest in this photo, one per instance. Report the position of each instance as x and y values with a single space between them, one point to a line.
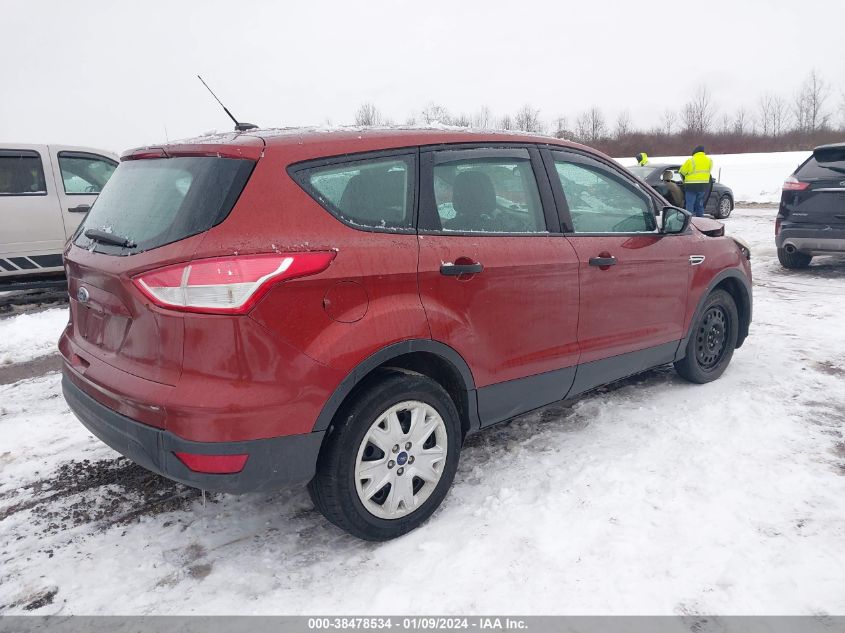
696 172
642 159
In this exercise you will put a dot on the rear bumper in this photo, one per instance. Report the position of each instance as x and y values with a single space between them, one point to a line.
272 463
812 241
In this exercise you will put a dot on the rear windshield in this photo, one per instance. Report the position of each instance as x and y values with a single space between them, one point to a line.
824 163
153 202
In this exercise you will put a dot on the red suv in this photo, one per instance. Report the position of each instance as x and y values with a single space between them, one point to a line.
343 308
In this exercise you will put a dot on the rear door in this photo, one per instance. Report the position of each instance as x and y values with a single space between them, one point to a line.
498 281
80 177
31 231
823 201
633 280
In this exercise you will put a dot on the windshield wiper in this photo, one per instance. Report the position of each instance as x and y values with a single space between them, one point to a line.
109 238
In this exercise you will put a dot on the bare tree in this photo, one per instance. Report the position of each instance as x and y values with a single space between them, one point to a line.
670 117
368 115
623 124
764 106
780 114
527 119
698 113
809 105
435 113
462 120
742 123
482 118
506 123
560 128
591 126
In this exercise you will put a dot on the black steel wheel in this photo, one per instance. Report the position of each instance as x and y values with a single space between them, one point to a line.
712 339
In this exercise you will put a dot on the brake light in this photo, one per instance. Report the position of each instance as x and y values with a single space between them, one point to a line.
778 220
226 285
793 184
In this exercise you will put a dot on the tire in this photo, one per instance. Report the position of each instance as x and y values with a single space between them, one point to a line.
359 442
724 208
712 339
793 260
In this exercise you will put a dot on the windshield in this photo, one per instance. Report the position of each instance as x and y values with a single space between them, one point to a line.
153 202
641 172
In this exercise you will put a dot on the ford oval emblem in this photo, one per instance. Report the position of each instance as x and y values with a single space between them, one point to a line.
82 295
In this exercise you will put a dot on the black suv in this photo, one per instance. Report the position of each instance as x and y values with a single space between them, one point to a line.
811 218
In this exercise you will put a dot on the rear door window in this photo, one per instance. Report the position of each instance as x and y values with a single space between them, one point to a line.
153 202
487 191
84 173
375 193
21 173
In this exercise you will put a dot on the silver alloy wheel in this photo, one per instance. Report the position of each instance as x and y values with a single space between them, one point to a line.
401 459
724 207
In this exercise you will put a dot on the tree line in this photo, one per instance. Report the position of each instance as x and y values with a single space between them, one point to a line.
812 115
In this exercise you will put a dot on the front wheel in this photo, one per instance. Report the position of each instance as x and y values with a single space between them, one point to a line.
390 457
724 208
712 340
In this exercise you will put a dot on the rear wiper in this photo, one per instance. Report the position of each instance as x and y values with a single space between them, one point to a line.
109 238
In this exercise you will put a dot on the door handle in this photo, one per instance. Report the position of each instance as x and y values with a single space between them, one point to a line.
603 261
82 208
456 270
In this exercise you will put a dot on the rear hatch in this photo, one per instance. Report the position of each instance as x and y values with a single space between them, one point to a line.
153 212
816 193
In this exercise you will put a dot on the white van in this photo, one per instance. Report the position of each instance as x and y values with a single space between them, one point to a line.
45 190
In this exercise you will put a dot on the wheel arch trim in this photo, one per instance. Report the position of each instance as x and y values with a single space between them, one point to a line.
382 356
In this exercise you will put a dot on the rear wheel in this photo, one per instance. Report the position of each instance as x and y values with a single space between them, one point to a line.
390 459
724 208
712 340
794 259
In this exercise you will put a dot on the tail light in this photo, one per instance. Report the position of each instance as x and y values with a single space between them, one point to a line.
778 220
226 285
793 184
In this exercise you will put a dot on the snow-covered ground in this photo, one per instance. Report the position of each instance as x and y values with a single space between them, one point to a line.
652 496
27 336
752 177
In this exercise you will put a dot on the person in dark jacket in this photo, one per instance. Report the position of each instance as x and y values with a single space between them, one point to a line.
673 192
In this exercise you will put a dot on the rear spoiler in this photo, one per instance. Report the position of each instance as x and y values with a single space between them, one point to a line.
830 154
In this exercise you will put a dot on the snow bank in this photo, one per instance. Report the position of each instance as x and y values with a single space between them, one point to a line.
753 177
27 336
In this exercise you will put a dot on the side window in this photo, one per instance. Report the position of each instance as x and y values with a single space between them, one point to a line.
377 193
83 173
488 195
599 203
21 173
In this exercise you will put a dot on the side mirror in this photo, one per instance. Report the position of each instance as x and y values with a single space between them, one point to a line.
673 220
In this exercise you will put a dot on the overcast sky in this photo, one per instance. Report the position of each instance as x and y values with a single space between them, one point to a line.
120 74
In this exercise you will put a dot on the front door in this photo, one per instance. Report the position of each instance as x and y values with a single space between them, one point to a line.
498 281
634 280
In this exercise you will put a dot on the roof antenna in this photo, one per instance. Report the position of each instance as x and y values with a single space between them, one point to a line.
239 127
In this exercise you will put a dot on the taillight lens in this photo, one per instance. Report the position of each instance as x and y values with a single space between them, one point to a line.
778 220
226 285
793 184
